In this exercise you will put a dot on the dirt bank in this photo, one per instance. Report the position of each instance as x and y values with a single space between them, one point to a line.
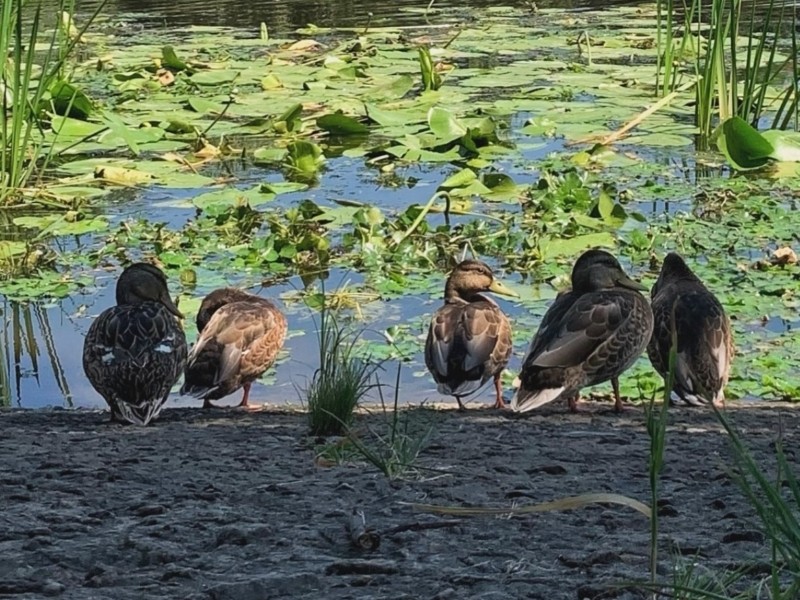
231 505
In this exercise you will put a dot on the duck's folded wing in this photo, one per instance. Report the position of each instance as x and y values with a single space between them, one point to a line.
592 321
441 333
134 334
704 351
479 333
237 330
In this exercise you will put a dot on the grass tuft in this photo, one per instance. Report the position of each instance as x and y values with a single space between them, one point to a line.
342 379
33 87
394 452
732 52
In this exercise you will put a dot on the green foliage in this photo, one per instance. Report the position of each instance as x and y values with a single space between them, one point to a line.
656 422
733 52
33 88
431 80
341 380
393 452
746 148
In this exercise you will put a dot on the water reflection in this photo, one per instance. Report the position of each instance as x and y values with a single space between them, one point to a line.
31 362
41 350
284 15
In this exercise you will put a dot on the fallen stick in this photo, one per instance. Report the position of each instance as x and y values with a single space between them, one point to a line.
361 535
619 133
417 526
569 503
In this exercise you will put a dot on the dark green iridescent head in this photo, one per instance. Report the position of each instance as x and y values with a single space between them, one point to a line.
143 282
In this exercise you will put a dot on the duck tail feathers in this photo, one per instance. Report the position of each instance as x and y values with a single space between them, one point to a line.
527 400
197 391
138 414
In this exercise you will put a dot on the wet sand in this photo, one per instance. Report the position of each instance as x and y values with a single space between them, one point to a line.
232 505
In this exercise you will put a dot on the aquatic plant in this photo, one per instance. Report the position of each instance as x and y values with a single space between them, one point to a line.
735 59
656 423
35 87
340 381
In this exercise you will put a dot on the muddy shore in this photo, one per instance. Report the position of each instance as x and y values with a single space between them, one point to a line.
232 505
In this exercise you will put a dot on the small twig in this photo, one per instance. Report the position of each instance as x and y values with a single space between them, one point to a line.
452 39
616 135
361 535
417 526
219 116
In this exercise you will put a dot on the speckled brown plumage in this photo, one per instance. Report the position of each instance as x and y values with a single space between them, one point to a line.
135 352
705 346
240 335
469 338
589 335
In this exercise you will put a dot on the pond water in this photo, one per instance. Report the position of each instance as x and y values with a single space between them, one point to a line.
286 15
42 339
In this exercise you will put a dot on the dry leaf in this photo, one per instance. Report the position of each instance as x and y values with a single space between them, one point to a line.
120 176
208 151
569 503
304 45
784 256
165 77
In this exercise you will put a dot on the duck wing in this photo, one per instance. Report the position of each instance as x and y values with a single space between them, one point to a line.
239 343
704 343
468 342
133 355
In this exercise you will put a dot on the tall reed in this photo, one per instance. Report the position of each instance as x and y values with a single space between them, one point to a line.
735 61
27 79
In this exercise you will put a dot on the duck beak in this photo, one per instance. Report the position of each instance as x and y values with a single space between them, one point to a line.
629 283
171 306
499 288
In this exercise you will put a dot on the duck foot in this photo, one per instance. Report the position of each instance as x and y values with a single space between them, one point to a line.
245 397
572 404
618 407
498 388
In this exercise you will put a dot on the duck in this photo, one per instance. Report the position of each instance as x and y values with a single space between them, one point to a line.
590 334
135 352
469 337
239 337
705 344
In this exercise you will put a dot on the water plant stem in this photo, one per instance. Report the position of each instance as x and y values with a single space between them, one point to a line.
656 430
424 212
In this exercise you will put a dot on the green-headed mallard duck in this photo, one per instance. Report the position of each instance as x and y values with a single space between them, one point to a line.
135 351
705 345
588 335
239 337
469 339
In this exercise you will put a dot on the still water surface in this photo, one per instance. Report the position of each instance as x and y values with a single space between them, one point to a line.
283 15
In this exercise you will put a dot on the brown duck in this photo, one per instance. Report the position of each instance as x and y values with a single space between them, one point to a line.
135 351
589 335
705 345
239 337
469 339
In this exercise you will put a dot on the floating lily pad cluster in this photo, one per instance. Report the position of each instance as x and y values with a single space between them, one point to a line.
493 126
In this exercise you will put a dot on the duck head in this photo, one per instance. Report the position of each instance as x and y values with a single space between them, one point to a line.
672 269
143 282
598 270
471 277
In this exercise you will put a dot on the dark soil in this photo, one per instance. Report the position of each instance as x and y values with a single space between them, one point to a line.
226 504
